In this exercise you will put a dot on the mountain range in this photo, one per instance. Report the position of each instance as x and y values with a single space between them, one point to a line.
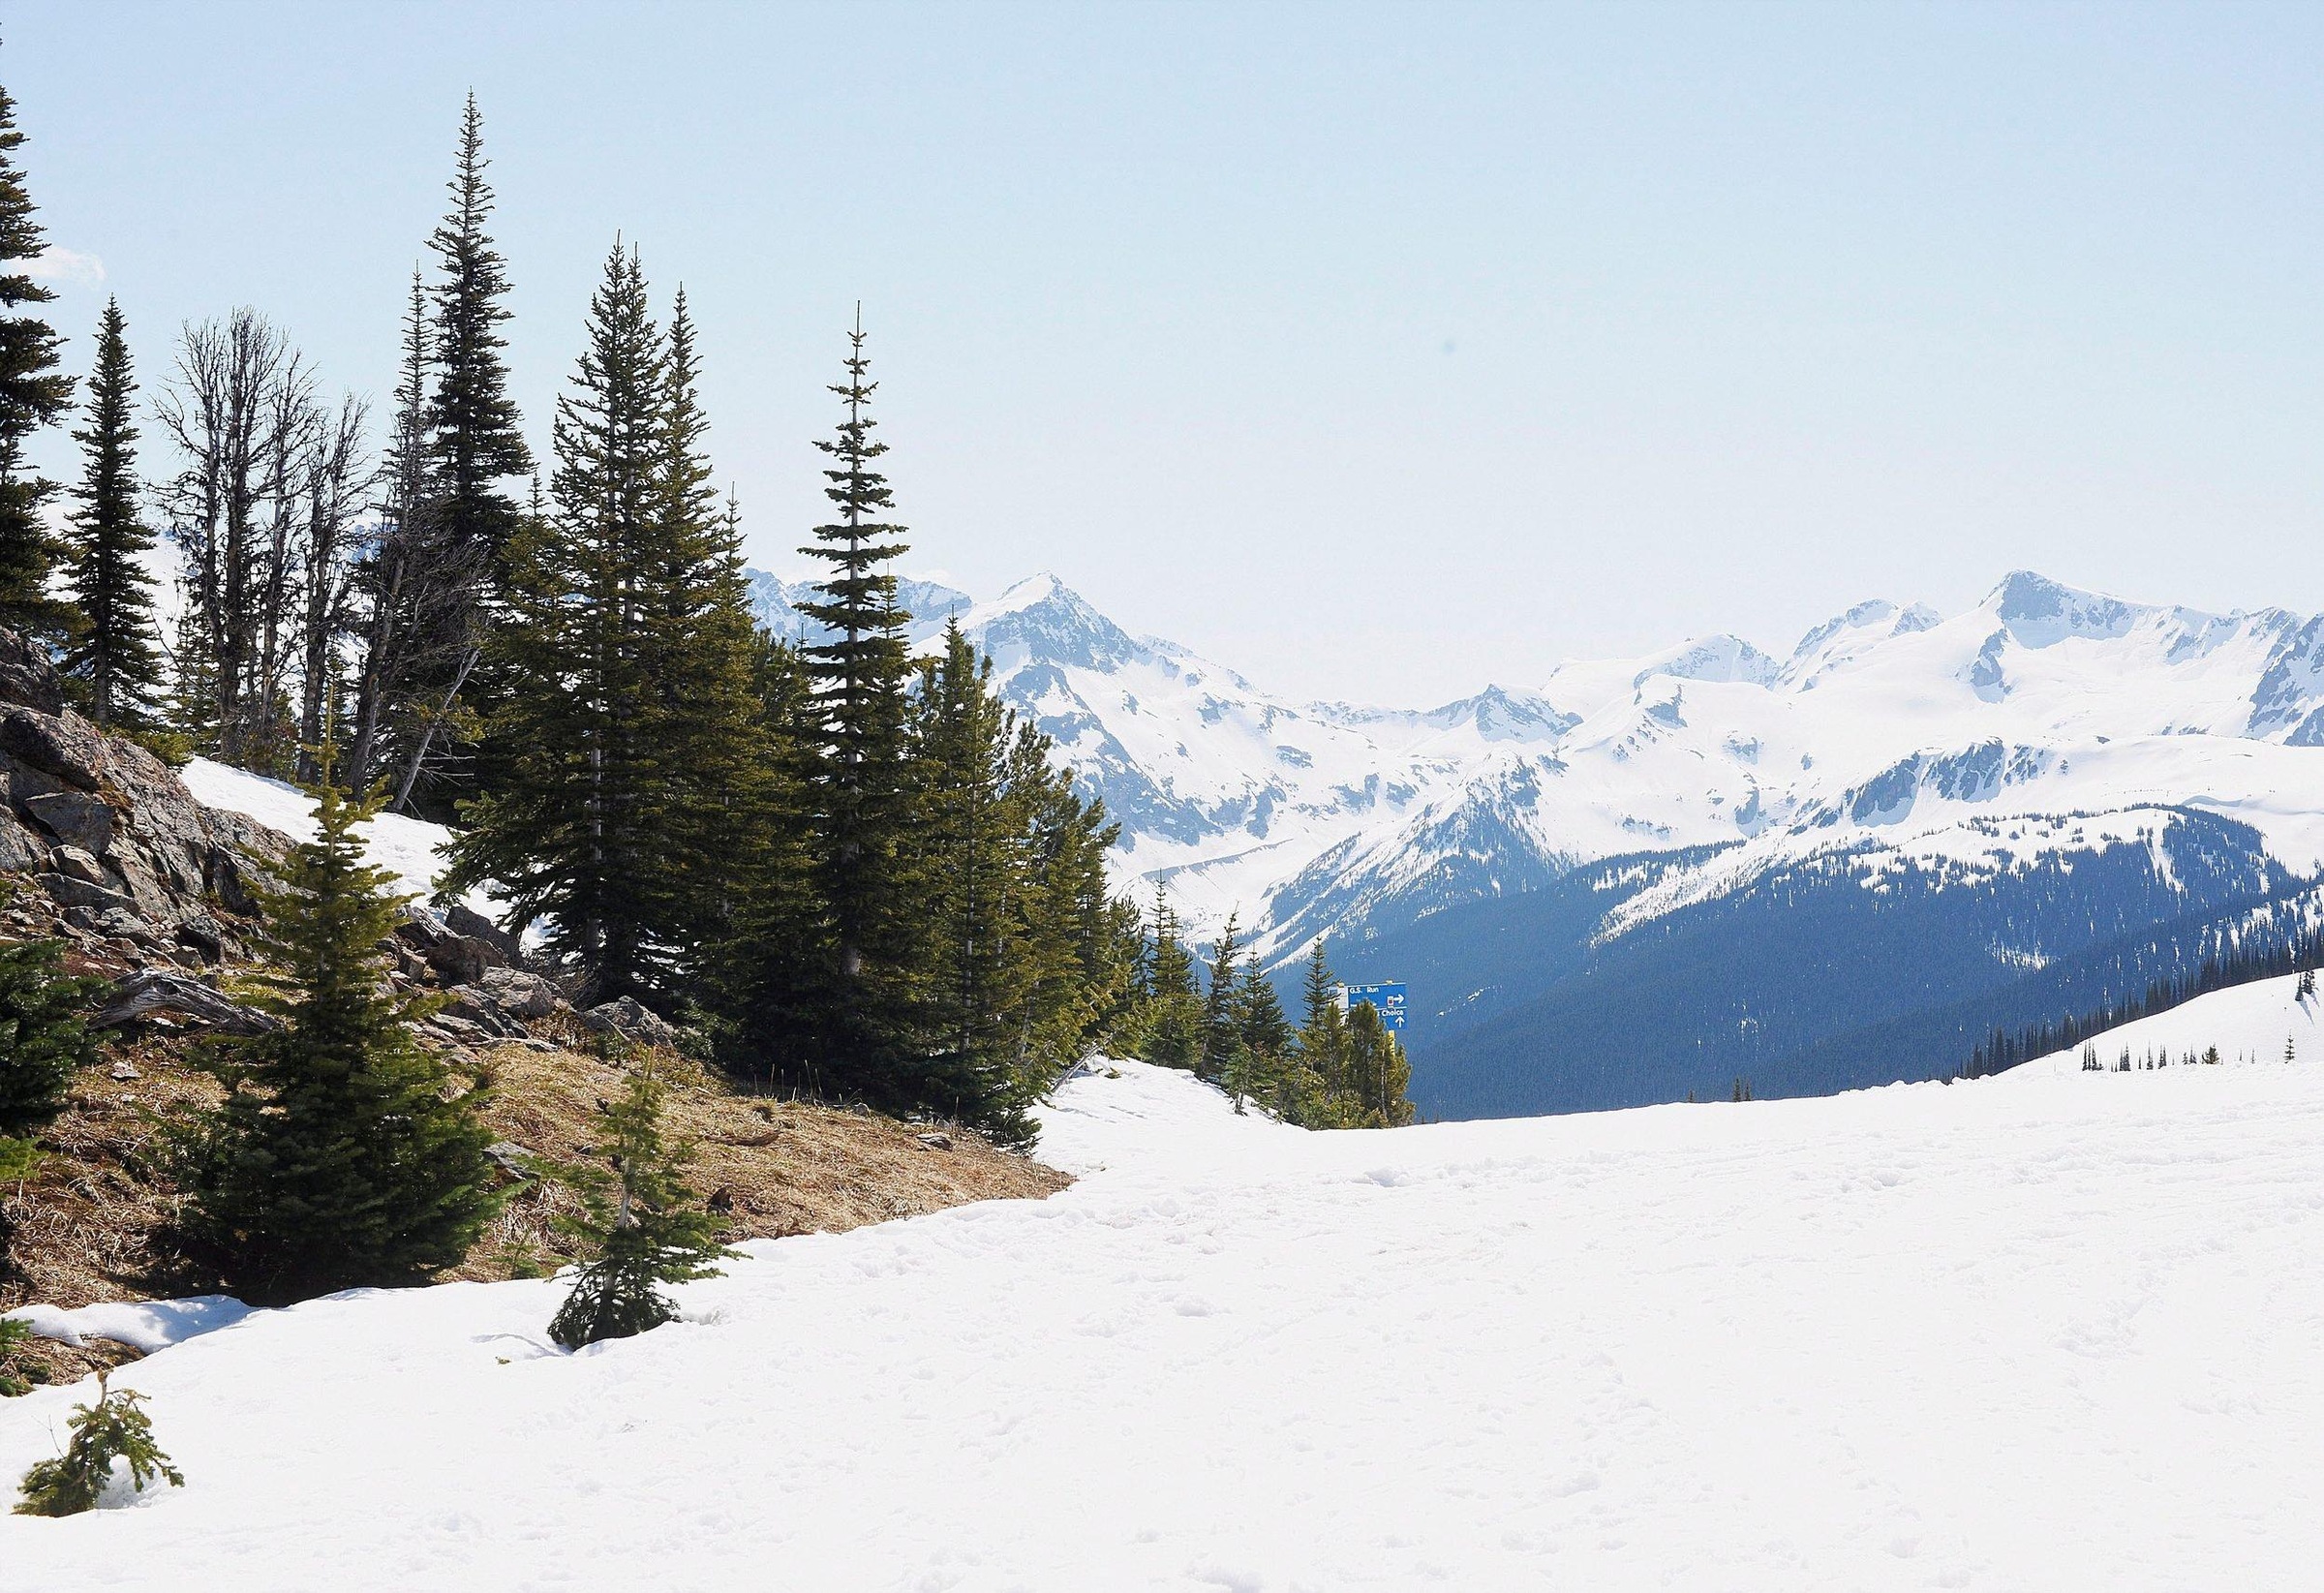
2073 767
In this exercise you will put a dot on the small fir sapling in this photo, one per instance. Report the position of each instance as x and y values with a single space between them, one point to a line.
42 1038
642 1221
16 1376
113 1429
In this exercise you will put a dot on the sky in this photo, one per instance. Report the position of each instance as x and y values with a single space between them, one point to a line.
1377 351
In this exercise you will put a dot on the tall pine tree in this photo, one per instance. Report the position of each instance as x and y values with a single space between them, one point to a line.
32 396
473 444
572 829
476 431
115 661
1221 1013
712 746
861 785
971 844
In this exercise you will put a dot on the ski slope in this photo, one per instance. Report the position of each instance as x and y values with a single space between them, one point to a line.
2026 1333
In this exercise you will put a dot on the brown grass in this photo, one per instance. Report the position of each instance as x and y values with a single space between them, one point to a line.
93 1222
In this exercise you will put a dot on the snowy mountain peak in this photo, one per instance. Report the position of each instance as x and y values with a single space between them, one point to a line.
2041 612
1846 638
1720 657
1041 619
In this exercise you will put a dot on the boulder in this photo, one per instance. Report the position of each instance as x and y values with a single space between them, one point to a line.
519 994
204 935
70 891
20 850
420 928
115 924
627 1018
80 865
68 748
461 919
75 817
511 1159
464 960
467 1005
26 676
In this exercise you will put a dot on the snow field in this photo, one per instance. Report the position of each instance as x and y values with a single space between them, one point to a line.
405 846
2249 1025
2024 1334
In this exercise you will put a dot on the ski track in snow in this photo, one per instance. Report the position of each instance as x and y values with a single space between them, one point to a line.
2043 1333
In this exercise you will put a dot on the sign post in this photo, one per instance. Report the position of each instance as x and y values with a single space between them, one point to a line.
1388 1000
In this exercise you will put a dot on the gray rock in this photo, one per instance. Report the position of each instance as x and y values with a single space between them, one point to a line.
463 960
204 935
20 850
626 1017
511 1159
469 1006
68 891
461 919
26 676
119 925
519 994
142 885
420 928
935 1141
66 746
80 865
76 819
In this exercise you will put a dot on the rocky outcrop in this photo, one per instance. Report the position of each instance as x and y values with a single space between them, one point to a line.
105 828
631 1020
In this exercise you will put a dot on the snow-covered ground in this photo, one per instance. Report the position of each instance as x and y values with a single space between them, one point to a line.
2249 1023
408 846
2042 1332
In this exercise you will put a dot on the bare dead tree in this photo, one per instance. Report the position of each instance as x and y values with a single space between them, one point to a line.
263 512
337 482
238 385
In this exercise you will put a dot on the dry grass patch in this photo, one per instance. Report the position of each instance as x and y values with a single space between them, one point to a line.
94 1221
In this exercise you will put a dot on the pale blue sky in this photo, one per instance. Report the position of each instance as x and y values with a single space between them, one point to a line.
1378 351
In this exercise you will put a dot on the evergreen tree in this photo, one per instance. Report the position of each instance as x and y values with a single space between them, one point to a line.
1077 954
32 396
1323 1026
19 1159
1377 1074
768 978
1266 1037
474 431
17 1375
336 1159
701 656
860 788
572 828
431 581
971 843
43 1039
1221 1011
115 661
642 1223
1173 1030
113 1430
